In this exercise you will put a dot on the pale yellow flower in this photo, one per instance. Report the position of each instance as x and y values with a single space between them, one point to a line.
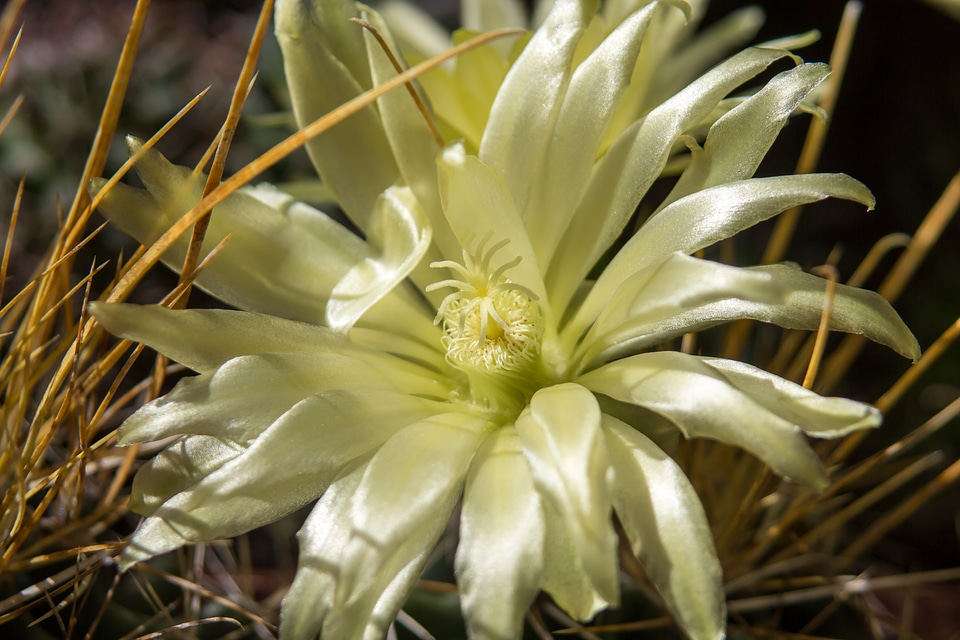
460 354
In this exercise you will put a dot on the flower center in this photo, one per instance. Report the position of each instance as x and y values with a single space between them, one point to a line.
493 328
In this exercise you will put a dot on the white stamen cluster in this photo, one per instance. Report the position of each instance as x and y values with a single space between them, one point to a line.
490 324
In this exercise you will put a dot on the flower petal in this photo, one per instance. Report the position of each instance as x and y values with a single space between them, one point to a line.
854 310
277 474
401 232
561 437
730 33
738 141
818 416
711 215
758 412
487 15
586 110
309 607
668 530
203 339
627 170
325 64
499 560
177 468
563 575
414 148
521 121
668 299
245 395
322 540
283 257
402 505
477 204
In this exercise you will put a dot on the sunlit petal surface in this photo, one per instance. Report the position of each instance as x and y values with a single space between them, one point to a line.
482 357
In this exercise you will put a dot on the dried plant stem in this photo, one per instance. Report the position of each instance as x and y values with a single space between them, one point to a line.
892 519
412 90
9 20
817 133
109 117
240 92
923 240
843 587
823 330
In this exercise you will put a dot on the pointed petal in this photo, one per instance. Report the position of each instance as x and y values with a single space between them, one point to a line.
309 607
670 298
401 232
177 468
711 215
499 560
248 393
738 141
627 170
759 412
325 64
586 110
414 148
401 506
322 540
730 33
203 339
818 416
563 575
560 433
252 489
668 530
521 121
854 310
283 257
477 204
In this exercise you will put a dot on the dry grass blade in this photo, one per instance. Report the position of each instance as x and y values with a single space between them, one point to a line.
920 246
9 20
817 133
110 114
412 90
820 344
240 92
